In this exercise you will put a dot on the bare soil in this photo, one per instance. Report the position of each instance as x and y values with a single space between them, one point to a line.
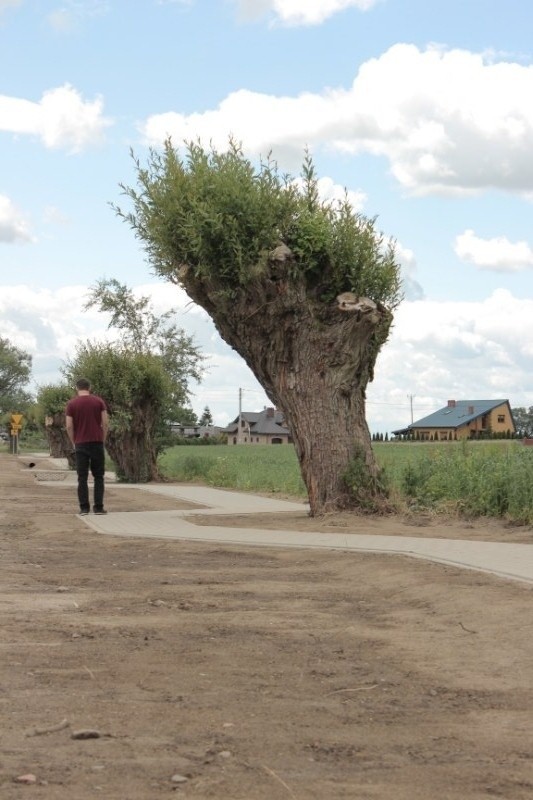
435 526
203 671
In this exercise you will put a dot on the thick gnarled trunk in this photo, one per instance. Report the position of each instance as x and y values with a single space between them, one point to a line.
131 447
321 390
325 411
58 441
314 359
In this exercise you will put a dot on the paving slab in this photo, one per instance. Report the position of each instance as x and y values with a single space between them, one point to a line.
512 561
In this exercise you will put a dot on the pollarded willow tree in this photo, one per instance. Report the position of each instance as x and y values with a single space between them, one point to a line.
143 377
135 388
302 289
51 402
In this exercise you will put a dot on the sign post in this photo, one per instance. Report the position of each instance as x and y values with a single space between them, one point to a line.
16 425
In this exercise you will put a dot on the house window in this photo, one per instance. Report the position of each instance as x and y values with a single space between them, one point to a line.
501 417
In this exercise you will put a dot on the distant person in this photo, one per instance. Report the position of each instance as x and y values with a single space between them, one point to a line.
87 426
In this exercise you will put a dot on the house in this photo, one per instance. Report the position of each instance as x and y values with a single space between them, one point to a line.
195 431
463 419
259 427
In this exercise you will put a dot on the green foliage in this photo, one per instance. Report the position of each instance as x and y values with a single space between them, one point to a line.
206 418
474 479
145 333
523 419
220 215
31 440
135 387
15 371
143 377
197 441
52 399
369 491
129 381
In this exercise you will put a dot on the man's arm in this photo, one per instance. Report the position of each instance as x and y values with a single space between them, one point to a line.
70 429
105 424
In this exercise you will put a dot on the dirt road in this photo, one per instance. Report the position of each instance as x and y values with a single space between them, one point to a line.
249 674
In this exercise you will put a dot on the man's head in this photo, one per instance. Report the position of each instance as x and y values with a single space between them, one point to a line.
83 385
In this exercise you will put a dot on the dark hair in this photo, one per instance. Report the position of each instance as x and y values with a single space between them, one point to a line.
83 385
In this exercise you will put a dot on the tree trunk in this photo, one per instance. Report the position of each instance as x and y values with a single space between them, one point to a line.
314 360
58 441
132 450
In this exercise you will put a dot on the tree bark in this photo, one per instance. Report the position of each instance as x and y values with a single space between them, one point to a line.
58 441
314 360
132 450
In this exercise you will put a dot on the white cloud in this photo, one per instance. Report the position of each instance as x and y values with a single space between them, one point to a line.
412 290
49 324
453 350
437 351
448 121
261 122
61 119
300 12
497 254
14 227
333 193
72 13
46 322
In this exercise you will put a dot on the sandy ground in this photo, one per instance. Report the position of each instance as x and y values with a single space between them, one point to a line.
252 673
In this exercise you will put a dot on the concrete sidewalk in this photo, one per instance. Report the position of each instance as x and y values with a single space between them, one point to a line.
513 561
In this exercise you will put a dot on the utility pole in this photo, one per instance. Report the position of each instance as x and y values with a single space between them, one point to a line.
410 396
240 416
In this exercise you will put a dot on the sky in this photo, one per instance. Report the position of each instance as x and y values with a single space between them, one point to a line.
422 111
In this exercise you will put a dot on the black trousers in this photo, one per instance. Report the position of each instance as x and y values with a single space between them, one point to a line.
90 456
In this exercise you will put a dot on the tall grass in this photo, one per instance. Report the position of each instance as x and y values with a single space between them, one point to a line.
261 468
475 481
468 478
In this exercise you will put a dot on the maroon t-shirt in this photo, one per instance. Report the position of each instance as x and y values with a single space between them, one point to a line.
86 412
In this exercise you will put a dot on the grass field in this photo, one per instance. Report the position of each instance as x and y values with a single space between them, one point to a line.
493 478
484 478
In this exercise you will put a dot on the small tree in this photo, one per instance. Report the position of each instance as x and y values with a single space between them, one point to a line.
51 402
135 387
206 418
523 420
143 378
303 290
15 371
142 331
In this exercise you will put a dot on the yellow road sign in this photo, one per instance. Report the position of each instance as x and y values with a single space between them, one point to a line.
16 419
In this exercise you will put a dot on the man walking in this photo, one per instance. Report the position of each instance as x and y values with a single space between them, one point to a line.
87 426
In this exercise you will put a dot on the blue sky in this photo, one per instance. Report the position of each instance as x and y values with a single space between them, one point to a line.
422 110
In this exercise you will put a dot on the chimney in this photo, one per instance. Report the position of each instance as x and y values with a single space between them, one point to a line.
451 403
270 412
470 409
